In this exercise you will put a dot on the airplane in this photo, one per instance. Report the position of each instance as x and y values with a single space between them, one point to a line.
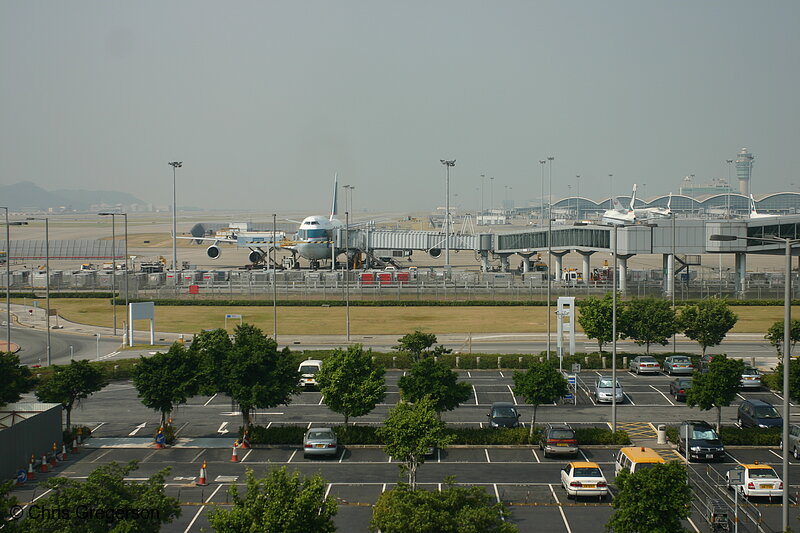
645 213
618 215
754 213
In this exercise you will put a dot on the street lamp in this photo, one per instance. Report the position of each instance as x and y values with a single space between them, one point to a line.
578 197
787 346
483 181
541 207
8 282
448 163
114 262
549 246
728 195
175 165
47 279
347 269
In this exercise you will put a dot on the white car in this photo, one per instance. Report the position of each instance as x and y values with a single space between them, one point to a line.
308 372
584 479
758 480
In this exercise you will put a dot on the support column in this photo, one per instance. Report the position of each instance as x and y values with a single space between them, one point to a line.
504 262
559 257
526 262
669 275
741 272
587 267
485 261
622 269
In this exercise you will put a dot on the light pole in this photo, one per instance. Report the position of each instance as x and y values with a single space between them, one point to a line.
8 282
114 266
611 200
787 347
347 269
491 193
175 165
448 163
541 207
47 280
578 197
549 246
483 182
614 338
728 194
274 280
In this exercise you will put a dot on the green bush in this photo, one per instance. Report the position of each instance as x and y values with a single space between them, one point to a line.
772 381
357 434
68 436
736 436
672 434
276 435
601 436
484 436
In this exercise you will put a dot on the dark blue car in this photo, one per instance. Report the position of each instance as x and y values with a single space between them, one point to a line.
758 414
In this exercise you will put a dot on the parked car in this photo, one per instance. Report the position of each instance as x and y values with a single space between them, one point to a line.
320 441
558 439
645 363
603 389
758 414
794 440
759 480
703 441
503 415
308 371
678 364
678 388
751 378
704 362
584 479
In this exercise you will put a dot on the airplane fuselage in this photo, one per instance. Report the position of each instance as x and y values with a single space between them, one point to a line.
315 237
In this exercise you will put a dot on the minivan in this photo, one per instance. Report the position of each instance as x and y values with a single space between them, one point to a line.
758 414
636 458
308 372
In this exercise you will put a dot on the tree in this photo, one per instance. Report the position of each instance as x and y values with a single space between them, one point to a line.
8 507
105 503
71 383
278 502
350 382
794 378
707 321
434 379
211 347
717 387
542 383
653 500
596 318
649 321
17 379
453 509
166 380
418 345
410 431
257 375
775 336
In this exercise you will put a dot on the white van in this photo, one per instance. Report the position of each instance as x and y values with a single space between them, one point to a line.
308 371
636 458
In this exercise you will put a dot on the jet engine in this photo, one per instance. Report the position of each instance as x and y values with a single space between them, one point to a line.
255 257
214 251
435 252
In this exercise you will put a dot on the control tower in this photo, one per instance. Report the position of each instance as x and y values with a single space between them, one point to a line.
744 168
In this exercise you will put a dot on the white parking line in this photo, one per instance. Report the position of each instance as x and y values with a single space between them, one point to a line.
740 396
779 456
321 399
476 395
209 400
181 428
327 491
98 426
487 455
512 395
291 457
197 515
692 524
535 455
101 456
662 394
583 455
501 375
245 455
560 509
469 373
197 456
628 397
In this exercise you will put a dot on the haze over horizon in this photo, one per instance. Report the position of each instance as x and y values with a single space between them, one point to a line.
264 101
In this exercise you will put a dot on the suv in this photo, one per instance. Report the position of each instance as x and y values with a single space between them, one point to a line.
503 415
704 443
558 439
758 414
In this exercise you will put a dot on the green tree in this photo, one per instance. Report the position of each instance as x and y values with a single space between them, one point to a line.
69 384
113 505
16 381
453 509
541 383
653 500
279 503
410 431
707 322
794 378
775 336
595 318
257 375
8 506
351 383
212 348
649 321
418 345
166 380
428 377
717 387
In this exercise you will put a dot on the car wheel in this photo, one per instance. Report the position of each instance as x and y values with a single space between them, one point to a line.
796 453
739 422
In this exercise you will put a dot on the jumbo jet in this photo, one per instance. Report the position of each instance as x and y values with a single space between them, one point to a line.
618 215
754 213
645 213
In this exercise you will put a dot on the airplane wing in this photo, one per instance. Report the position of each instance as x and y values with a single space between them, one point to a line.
215 239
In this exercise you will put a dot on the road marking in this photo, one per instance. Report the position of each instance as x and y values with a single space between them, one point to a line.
476 395
98 426
181 428
182 478
291 457
222 428
342 457
210 400
327 491
198 455
383 488
583 455
535 455
101 456
140 426
560 509
149 455
321 399
197 515
662 394
390 459
248 453
628 397
692 524
512 394
487 455
469 374
740 396
776 454
309 425
496 495
501 375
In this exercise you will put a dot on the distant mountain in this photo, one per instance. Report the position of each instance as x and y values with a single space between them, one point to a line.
26 195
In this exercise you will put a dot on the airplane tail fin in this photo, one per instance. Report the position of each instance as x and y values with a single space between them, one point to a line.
633 196
334 210
616 204
753 206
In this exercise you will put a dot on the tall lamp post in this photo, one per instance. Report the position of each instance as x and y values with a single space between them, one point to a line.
578 197
483 181
347 268
728 195
787 346
448 163
114 262
175 165
8 282
541 204
614 338
47 280
549 246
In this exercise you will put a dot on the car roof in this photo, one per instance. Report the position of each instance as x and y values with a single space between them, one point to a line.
583 464
559 426
503 404
321 429
757 467
758 403
697 423
640 454
311 361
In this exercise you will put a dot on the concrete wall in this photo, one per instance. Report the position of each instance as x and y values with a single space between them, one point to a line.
34 435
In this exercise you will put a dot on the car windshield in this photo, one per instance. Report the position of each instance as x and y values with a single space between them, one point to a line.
763 473
606 384
704 434
562 434
504 412
680 360
309 369
750 372
587 472
320 435
767 411
685 383
647 360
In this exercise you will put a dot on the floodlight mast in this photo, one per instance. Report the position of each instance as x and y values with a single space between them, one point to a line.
175 165
447 163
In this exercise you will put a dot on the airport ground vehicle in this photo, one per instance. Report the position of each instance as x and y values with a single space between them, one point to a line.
678 388
678 364
503 415
758 480
758 414
558 439
645 363
703 441
635 458
320 441
308 371
584 479
603 390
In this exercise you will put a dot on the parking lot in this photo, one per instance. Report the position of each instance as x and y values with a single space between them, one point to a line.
518 476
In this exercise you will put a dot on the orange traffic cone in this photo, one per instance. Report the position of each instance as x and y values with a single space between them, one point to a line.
43 468
31 475
53 458
235 456
245 441
74 445
202 481
64 456
80 436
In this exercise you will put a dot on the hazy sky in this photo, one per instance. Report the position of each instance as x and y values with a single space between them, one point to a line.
264 101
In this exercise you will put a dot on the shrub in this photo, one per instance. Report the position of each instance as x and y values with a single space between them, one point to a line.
601 436
736 436
772 381
68 436
276 435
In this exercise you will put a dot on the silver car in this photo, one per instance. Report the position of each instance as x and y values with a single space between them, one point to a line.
603 390
320 441
751 378
678 364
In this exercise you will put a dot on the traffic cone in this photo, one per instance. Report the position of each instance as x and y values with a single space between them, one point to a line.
31 475
235 456
80 435
202 481
64 456
53 458
245 441
74 445
43 468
